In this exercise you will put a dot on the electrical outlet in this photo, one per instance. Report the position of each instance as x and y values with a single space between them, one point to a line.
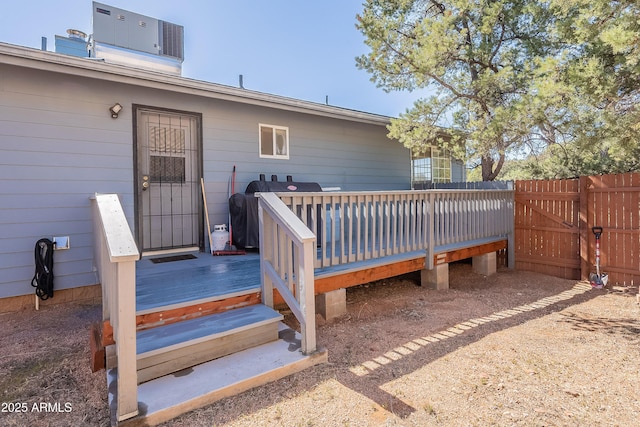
61 242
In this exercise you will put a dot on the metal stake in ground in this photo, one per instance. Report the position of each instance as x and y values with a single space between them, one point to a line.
598 280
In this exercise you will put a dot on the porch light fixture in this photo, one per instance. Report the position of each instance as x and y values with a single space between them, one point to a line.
115 110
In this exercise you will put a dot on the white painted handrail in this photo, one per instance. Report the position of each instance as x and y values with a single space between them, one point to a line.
116 253
356 226
287 253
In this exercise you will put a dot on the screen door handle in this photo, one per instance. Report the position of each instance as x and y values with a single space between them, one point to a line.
145 182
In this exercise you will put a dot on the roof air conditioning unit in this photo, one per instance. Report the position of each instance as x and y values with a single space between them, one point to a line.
128 38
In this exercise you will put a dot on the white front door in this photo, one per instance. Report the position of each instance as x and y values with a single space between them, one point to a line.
168 173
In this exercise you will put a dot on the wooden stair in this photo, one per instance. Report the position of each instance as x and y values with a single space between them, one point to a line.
169 396
171 348
197 352
202 334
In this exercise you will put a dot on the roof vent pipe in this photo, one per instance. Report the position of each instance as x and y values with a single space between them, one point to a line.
240 81
77 34
44 43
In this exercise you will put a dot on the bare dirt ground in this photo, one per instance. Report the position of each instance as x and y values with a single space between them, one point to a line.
514 349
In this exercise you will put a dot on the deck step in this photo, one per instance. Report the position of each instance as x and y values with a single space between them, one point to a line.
166 315
191 309
177 346
172 395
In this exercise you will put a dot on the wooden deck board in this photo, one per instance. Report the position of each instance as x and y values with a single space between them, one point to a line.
367 264
358 273
407 256
207 326
170 285
468 244
208 277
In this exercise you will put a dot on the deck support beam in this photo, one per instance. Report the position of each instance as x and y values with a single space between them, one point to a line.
332 304
436 278
484 264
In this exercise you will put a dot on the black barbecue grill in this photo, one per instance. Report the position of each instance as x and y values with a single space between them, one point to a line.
244 207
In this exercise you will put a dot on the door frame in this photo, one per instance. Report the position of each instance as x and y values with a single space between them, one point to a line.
137 190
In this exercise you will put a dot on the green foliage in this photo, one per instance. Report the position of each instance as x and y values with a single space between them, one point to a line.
478 57
591 108
558 80
569 161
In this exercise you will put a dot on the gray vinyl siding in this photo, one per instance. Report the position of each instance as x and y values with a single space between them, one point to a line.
56 149
59 146
331 152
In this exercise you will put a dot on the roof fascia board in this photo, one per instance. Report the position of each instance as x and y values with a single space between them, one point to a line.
59 63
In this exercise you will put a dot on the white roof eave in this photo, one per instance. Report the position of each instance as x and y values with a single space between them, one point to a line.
96 69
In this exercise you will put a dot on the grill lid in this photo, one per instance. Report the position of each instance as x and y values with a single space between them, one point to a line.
275 186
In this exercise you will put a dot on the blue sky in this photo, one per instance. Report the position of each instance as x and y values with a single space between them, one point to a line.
303 49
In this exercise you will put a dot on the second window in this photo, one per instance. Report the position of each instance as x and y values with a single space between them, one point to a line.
274 141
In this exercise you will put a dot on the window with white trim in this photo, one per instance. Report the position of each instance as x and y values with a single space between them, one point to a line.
440 165
274 141
434 165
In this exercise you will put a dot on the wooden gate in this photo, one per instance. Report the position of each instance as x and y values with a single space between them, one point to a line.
553 222
547 236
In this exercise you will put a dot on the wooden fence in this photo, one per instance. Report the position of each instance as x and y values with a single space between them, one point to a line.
553 221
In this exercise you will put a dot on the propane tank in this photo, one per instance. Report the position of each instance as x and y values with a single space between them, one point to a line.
219 237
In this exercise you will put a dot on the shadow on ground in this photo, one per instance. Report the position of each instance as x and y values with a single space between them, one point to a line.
394 328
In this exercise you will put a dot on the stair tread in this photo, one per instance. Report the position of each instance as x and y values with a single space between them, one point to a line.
172 395
202 327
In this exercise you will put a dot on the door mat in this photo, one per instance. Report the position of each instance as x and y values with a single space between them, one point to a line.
172 258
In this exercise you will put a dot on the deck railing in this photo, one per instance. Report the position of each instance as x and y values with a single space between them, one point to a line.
357 226
115 254
287 253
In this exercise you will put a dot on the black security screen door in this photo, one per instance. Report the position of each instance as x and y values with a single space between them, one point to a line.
168 176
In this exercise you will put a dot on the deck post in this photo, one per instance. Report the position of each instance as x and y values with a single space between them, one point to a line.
511 241
118 253
266 246
126 341
431 229
307 297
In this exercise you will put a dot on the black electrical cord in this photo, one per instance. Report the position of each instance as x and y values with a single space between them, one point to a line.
43 278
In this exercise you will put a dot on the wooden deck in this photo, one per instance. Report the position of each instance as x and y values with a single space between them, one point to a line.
175 333
361 272
360 237
366 237
170 316
189 285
